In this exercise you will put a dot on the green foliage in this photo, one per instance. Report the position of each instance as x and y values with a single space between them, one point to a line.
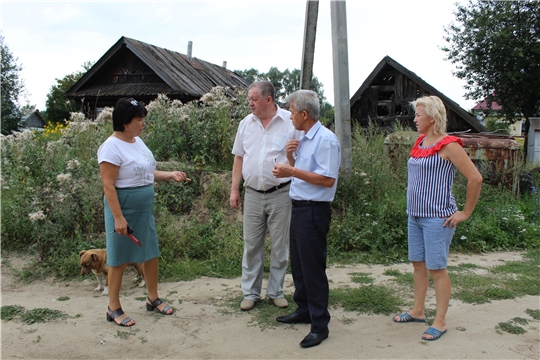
372 299
52 197
12 87
495 47
511 328
497 126
10 311
535 314
370 203
41 315
201 133
285 82
58 105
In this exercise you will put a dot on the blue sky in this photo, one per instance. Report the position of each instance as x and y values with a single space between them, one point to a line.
54 38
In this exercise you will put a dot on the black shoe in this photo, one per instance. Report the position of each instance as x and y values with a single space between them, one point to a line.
293 318
314 339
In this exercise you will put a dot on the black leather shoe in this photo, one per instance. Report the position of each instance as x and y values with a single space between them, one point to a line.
314 339
293 318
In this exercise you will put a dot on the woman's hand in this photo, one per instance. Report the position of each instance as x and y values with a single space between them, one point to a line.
179 176
170 175
456 218
120 226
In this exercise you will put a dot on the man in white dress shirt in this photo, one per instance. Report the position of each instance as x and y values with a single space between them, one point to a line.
259 145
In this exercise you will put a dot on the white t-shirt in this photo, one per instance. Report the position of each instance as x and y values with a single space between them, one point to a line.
261 148
136 161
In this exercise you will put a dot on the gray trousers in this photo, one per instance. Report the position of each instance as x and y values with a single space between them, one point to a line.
264 212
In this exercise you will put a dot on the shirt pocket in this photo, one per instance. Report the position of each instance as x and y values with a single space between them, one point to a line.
279 141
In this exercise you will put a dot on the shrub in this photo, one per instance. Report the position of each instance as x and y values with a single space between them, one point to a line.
52 198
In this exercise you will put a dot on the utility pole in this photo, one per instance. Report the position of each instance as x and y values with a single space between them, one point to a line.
342 105
308 54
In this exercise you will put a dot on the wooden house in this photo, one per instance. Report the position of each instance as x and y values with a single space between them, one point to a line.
485 113
384 99
33 121
132 68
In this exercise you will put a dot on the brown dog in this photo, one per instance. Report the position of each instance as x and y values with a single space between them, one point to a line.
95 261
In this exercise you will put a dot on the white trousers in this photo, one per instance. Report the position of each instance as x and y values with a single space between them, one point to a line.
264 212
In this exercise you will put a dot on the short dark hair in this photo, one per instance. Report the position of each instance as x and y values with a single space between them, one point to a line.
266 88
125 110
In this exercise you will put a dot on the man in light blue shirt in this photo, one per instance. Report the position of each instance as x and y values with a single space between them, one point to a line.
314 173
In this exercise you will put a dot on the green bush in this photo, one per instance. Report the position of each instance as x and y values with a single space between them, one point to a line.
52 198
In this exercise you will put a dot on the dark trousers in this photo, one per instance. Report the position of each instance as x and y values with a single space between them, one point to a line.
309 227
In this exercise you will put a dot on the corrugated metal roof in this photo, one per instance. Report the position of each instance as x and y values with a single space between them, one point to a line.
181 76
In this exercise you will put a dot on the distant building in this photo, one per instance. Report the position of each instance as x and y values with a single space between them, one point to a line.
385 96
132 68
33 121
484 113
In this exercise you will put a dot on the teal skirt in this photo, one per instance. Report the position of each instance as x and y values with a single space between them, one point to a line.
137 206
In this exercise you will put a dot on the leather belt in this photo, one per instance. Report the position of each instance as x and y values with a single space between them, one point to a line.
272 189
302 203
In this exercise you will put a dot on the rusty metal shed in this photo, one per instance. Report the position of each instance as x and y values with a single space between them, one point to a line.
498 157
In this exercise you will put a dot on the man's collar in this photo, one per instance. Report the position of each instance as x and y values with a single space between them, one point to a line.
313 130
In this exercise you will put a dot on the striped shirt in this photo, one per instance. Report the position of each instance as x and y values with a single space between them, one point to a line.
429 189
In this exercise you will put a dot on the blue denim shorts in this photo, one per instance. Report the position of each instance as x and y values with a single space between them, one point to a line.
429 241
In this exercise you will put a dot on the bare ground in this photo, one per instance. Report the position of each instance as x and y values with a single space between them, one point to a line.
203 327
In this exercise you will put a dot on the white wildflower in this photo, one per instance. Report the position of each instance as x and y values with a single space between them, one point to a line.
363 174
63 177
505 219
463 237
368 215
76 117
105 116
208 98
374 223
37 216
523 230
73 164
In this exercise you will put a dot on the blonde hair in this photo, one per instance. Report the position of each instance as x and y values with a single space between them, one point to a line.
434 108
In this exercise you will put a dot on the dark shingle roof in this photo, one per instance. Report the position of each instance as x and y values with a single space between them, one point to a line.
178 75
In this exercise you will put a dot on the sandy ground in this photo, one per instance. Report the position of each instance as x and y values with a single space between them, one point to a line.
203 328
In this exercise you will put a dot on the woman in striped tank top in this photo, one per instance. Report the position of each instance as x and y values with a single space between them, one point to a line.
432 210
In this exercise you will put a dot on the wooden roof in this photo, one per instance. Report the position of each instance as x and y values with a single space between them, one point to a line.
33 120
385 98
137 69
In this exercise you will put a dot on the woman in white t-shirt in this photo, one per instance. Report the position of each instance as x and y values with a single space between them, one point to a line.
128 171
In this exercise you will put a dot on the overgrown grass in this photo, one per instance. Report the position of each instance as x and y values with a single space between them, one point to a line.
38 315
508 281
52 199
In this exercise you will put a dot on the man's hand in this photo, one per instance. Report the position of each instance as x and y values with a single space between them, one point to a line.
235 199
292 146
282 170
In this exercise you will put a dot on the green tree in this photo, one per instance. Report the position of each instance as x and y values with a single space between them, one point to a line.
12 86
495 47
285 82
58 105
